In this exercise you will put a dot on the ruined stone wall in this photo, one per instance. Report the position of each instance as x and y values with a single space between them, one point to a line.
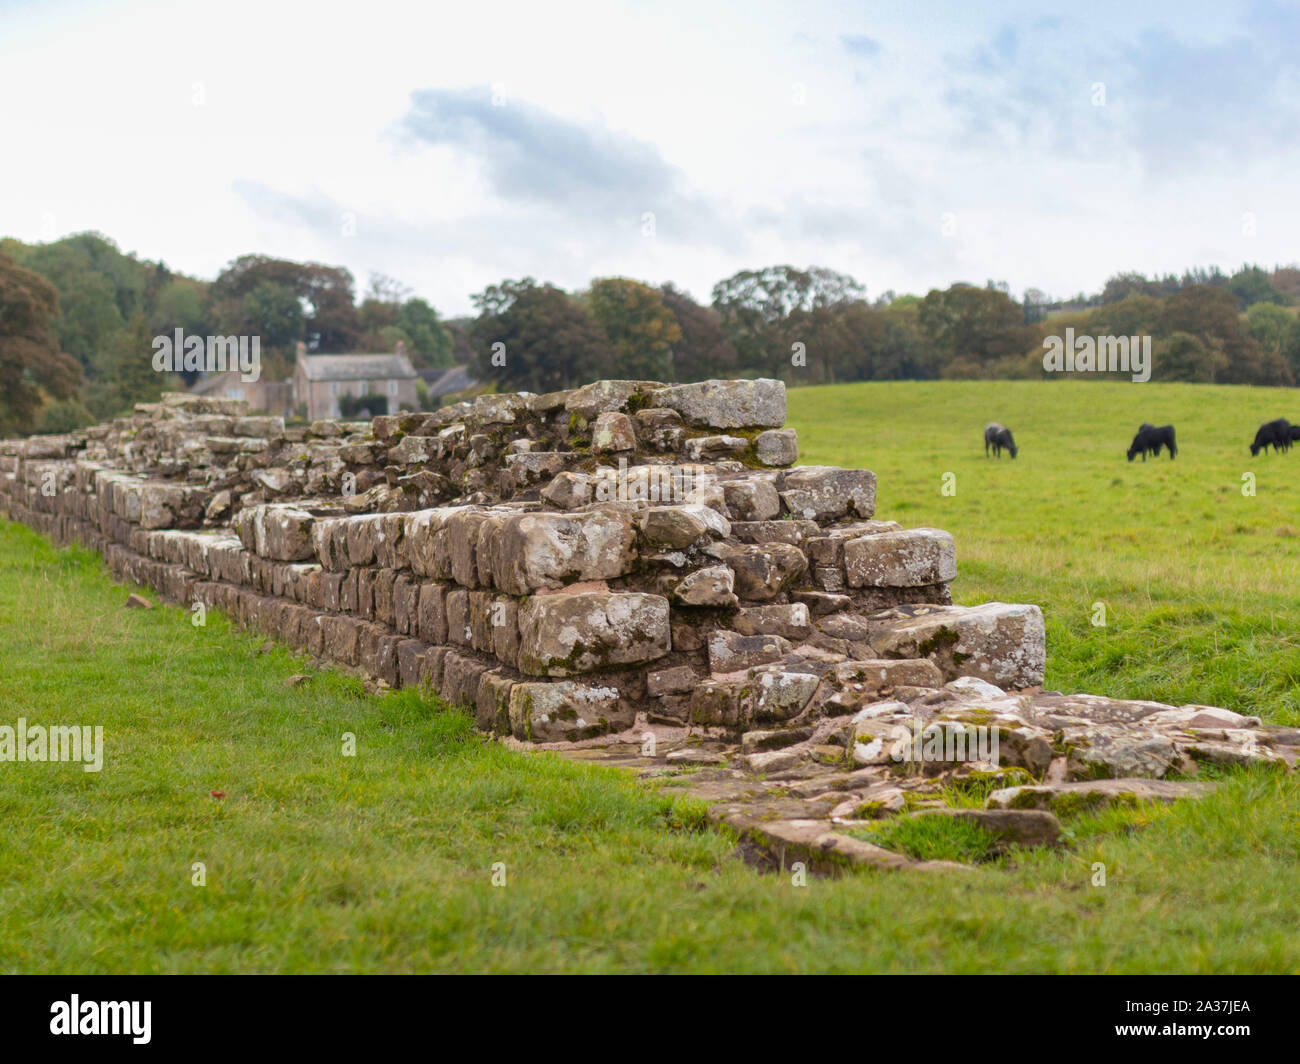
558 563
568 565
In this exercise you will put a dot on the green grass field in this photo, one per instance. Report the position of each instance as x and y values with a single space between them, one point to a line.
1200 583
384 861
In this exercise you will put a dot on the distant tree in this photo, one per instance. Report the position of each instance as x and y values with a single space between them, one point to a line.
1210 314
128 367
325 293
427 340
704 351
1134 315
1290 349
1184 357
1035 302
273 312
641 330
756 305
903 353
1269 325
1252 285
64 415
30 359
1123 285
972 328
181 303
1286 280
547 341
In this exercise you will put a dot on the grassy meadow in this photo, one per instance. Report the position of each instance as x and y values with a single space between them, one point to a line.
1200 583
315 861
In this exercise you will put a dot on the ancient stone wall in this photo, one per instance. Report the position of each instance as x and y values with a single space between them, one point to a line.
567 565
558 562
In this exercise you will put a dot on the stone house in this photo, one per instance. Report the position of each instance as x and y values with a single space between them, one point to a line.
270 397
322 383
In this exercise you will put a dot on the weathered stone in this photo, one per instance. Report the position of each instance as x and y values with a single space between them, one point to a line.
765 571
777 447
826 493
779 693
675 681
793 532
283 533
613 432
565 711
680 526
1004 644
755 742
727 404
870 677
752 499
705 447
413 450
1066 799
792 622
535 466
1101 753
917 557
821 603
543 550
568 491
731 651
592 400
713 586
563 635
1018 827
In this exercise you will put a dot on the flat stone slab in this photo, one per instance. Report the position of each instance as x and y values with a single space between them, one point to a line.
1090 794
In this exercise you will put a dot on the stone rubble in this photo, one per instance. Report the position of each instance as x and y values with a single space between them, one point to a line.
588 569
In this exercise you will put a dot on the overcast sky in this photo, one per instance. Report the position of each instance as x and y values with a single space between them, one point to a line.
453 145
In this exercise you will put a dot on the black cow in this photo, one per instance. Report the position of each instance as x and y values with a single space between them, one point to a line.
1275 434
998 436
1151 439
1295 433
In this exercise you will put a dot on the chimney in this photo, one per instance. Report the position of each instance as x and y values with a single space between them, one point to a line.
302 349
401 347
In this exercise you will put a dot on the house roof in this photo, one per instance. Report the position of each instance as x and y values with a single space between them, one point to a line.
214 381
356 367
446 381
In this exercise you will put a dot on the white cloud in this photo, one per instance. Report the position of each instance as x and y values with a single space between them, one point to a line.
755 133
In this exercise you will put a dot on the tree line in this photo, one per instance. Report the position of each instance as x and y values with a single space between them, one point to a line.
77 317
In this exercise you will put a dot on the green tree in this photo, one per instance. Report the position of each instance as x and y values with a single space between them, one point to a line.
428 341
1183 357
181 303
275 313
1252 285
1209 312
325 294
30 359
641 330
534 337
757 308
704 351
974 329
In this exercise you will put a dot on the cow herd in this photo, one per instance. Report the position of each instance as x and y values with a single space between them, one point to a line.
1278 434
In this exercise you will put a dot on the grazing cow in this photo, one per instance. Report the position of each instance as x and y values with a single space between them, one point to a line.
1151 439
1276 434
998 436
